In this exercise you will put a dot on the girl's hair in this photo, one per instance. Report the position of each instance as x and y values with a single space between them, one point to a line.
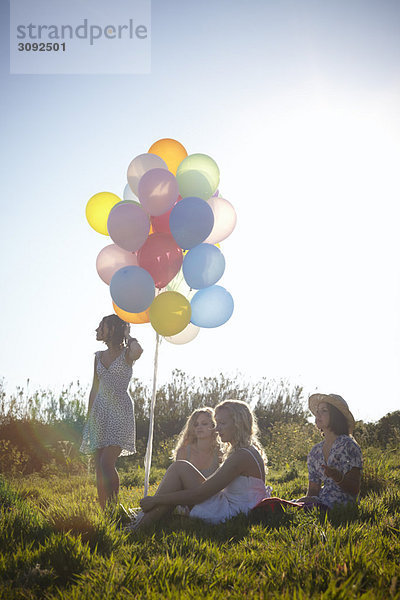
187 436
246 428
118 334
337 421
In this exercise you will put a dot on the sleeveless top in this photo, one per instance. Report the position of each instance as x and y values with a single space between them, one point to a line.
210 470
239 496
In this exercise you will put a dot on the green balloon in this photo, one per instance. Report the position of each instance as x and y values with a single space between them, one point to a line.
194 183
198 175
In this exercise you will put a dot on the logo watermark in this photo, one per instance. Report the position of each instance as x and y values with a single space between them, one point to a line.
75 37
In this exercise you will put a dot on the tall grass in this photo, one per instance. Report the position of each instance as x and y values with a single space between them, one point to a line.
55 543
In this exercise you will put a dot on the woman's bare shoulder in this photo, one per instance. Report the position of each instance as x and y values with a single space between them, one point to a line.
181 453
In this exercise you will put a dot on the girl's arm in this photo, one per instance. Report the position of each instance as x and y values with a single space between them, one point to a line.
232 468
134 351
348 482
314 489
95 386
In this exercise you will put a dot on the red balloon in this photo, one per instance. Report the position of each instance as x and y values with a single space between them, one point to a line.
161 256
160 224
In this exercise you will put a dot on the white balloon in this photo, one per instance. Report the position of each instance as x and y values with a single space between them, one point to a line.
224 220
128 194
185 336
140 165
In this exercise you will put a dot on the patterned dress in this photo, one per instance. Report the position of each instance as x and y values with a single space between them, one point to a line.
344 455
111 420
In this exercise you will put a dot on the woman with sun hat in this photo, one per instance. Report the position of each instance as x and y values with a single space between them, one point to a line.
334 465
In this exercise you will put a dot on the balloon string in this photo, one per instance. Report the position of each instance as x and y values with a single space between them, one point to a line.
149 449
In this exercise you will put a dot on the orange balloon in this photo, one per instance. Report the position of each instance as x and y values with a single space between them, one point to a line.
171 151
136 318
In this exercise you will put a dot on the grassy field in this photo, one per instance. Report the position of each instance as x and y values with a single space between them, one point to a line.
56 544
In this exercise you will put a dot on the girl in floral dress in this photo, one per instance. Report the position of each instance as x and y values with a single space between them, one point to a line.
335 464
110 428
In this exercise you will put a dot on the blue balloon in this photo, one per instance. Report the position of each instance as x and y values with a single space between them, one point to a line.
203 266
132 289
191 221
211 307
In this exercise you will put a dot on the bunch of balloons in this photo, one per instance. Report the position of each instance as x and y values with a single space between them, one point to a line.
166 232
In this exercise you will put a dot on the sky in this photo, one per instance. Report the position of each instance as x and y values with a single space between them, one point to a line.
299 105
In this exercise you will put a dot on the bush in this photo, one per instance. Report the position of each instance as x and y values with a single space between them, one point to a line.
289 443
12 460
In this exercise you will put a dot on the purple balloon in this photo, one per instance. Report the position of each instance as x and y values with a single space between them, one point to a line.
128 226
158 191
191 221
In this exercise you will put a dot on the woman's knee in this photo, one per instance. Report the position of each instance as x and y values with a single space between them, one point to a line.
183 464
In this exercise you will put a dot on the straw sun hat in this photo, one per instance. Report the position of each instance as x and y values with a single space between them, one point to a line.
336 401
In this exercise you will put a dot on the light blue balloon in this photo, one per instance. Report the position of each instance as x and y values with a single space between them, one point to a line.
132 289
191 221
203 266
211 307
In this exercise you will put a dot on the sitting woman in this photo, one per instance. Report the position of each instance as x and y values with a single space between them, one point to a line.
198 442
336 462
236 487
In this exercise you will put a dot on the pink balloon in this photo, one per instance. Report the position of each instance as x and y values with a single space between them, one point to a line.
161 224
158 191
128 226
112 258
161 256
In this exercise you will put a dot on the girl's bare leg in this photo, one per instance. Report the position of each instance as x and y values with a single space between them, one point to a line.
101 491
108 459
181 475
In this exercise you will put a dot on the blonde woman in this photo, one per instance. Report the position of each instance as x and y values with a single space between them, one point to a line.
236 487
198 442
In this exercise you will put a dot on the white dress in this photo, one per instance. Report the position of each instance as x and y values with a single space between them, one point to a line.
239 496
111 421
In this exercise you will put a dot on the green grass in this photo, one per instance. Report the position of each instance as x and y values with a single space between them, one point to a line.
56 544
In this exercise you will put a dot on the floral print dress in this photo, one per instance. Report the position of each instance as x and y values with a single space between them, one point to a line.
111 420
344 455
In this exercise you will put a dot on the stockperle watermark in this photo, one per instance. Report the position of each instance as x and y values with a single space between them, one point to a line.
80 36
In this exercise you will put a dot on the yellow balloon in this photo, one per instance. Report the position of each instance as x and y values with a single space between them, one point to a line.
170 313
171 151
136 318
98 208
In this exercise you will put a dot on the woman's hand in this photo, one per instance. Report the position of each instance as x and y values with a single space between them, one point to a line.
135 349
349 482
333 473
148 503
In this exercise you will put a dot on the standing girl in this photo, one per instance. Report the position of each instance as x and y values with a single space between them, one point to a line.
110 429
